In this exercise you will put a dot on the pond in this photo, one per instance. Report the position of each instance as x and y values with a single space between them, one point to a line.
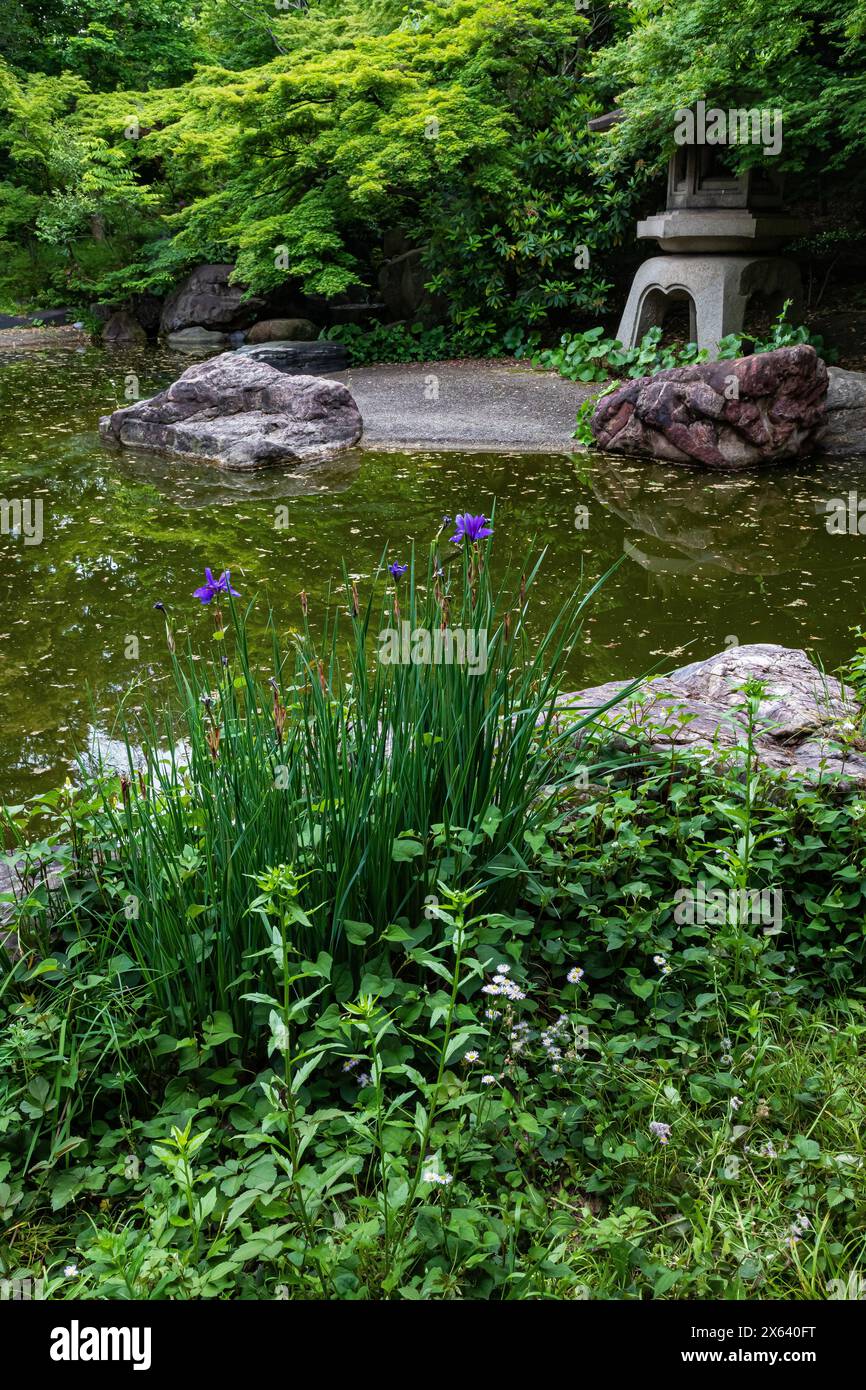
708 559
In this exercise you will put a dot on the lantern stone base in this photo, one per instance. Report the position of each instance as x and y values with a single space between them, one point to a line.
729 230
717 289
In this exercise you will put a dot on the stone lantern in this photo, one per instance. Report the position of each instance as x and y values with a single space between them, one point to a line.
719 233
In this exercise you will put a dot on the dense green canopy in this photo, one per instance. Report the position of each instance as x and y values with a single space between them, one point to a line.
804 58
290 137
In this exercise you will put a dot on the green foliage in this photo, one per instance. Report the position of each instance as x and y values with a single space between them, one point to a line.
462 128
576 1098
76 207
783 334
800 57
590 356
123 46
583 423
373 775
300 138
400 342
108 43
855 672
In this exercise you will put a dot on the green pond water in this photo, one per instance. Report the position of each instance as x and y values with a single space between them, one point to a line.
708 558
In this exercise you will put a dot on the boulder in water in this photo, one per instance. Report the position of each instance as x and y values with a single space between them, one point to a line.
242 414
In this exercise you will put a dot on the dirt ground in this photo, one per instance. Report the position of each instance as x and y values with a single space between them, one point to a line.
64 336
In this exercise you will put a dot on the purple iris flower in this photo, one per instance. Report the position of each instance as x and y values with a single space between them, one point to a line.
470 528
397 569
212 587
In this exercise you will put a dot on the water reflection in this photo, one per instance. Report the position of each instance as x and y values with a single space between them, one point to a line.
756 524
190 484
707 556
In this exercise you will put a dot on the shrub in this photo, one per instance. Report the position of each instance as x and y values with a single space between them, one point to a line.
400 342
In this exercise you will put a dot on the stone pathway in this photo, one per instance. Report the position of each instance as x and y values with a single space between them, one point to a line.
466 405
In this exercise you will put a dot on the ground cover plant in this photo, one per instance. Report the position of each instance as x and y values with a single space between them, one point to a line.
331 993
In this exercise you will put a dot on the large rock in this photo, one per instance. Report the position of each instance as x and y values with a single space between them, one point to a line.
807 722
242 414
123 329
283 331
205 299
194 339
728 415
307 358
846 413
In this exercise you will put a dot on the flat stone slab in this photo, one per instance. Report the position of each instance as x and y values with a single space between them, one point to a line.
315 357
467 405
807 722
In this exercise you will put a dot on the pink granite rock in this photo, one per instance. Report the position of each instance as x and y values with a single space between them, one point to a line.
735 414
806 723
